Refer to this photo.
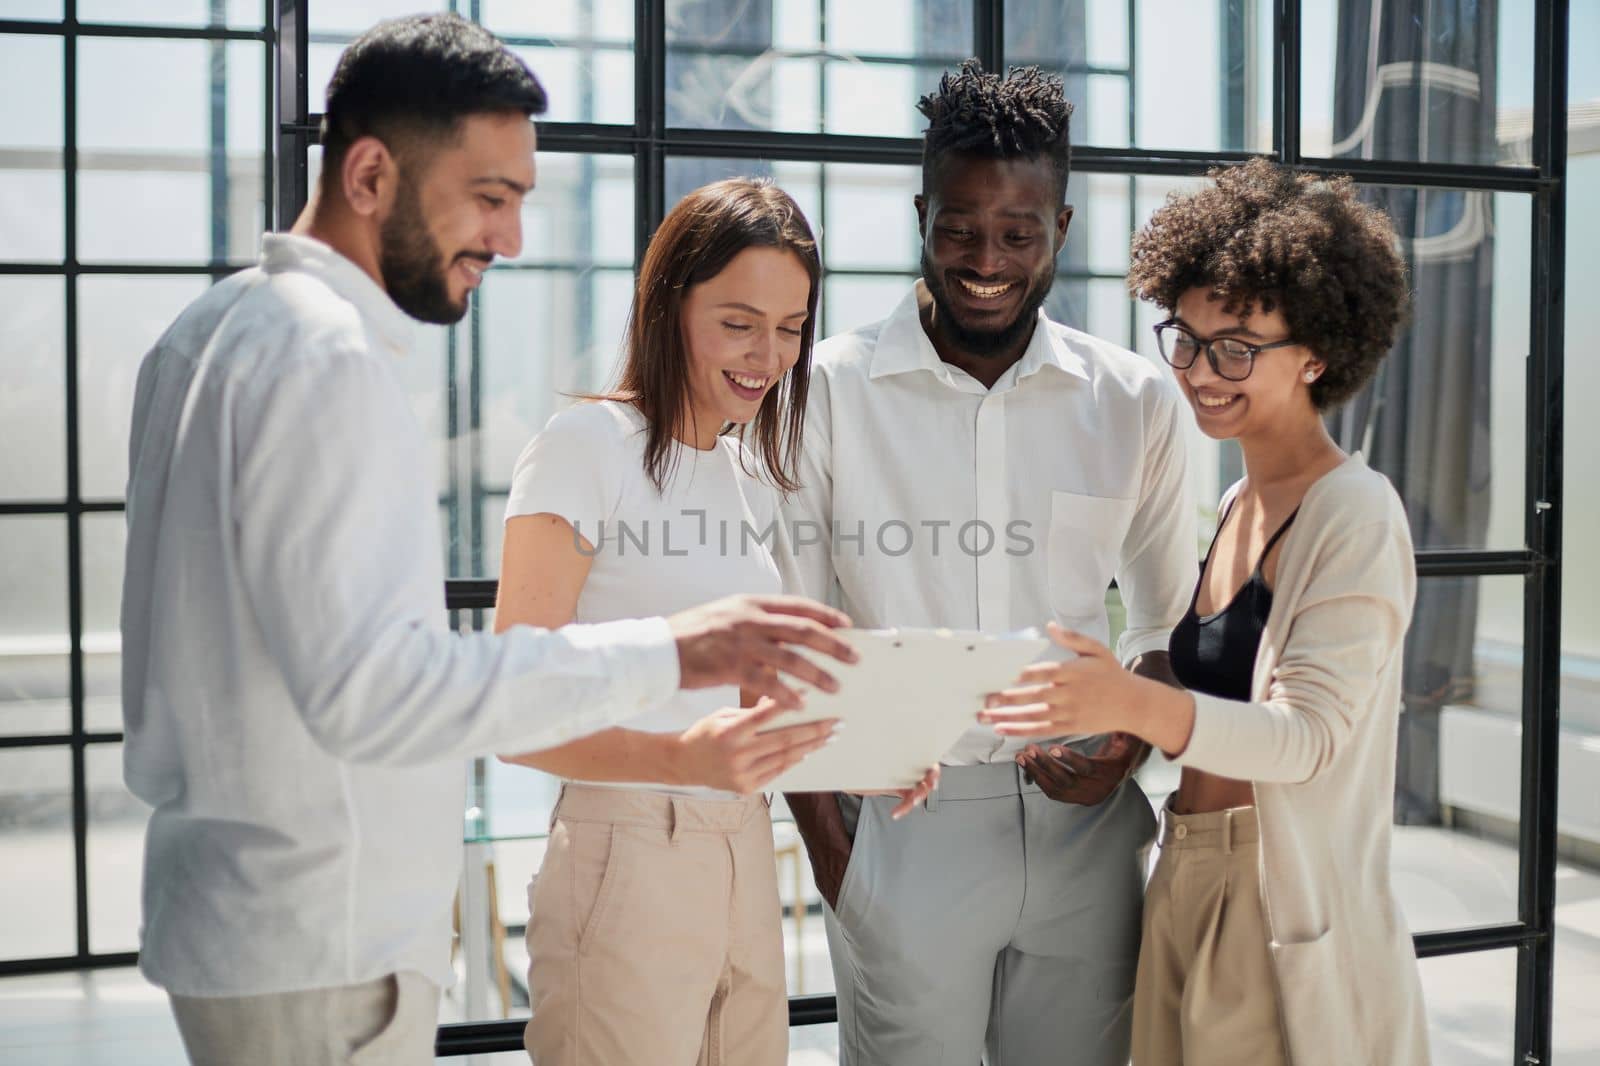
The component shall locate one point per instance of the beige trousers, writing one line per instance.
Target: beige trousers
(655, 935)
(387, 1022)
(1206, 994)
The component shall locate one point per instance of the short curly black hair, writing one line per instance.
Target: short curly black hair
(1023, 115)
(1265, 235)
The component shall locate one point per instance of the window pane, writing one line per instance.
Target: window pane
(119, 319)
(117, 821)
(1201, 73)
(802, 181)
(1472, 1002)
(870, 218)
(1458, 778)
(42, 10)
(1445, 418)
(105, 538)
(547, 335)
(349, 18)
(39, 918)
(861, 214)
(853, 300)
(1451, 84)
(806, 66)
(35, 696)
(581, 213)
(33, 403)
(32, 196)
(234, 14)
(582, 53)
(184, 141)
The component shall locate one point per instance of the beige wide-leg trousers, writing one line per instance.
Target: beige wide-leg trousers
(655, 937)
(1205, 994)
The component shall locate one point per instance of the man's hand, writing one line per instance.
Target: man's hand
(909, 797)
(724, 750)
(744, 641)
(828, 846)
(1071, 777)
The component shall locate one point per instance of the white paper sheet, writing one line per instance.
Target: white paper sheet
(908, 700)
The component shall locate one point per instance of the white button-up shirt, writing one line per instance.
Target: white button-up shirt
(929, 500)
(297, 709)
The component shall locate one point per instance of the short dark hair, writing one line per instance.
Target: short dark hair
(697, 240)
(1265, 235)
(422, 75)
(1024, 115)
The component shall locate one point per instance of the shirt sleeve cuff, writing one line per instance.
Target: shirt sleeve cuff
(642, 658)
(1136, 642)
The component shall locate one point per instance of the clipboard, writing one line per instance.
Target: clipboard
(911, 696)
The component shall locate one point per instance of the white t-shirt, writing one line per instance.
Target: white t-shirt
(715, 531)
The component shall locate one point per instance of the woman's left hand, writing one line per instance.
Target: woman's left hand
(1087, 695)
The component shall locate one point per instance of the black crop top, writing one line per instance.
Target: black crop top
(1217, 654)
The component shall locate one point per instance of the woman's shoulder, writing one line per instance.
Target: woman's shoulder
(1356, 494)
(596, 420)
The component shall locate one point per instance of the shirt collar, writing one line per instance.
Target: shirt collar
(283, 252)
(903, 346)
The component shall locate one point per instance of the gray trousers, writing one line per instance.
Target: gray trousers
(998, 925)
(387, 1022)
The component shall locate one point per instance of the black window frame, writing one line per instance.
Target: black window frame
(290, 128)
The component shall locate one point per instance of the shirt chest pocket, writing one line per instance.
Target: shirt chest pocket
(1085, 541)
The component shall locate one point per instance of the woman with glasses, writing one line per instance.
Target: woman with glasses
(1269, 920)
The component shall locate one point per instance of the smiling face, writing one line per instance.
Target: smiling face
(1273, 400)
(742, 328)
(991, 229)
(454, 210)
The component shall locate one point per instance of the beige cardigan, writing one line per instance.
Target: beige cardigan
(1319, 745)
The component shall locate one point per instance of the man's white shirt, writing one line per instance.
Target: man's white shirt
(296, 707)
(930, 500)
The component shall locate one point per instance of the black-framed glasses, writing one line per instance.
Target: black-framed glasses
(1231, 358)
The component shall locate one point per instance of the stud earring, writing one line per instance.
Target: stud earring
(1311, 375)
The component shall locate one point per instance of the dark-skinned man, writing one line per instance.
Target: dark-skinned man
(971, 464)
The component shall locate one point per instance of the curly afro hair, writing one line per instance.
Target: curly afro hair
(1265, 236)
(1021, 116)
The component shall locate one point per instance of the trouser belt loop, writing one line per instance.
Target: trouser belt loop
(674, 819)
(931, 804)
(1227, 832)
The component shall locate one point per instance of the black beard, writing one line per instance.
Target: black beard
(410, 261)
(985, 343)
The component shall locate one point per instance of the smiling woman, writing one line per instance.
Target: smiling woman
(665, 491)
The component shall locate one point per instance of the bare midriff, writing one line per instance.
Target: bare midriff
(1202, 793)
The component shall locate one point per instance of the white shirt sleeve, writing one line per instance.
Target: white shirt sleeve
(339, 562)
(571, 469)
(1159, 562)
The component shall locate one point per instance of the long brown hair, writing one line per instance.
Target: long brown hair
(695, 242)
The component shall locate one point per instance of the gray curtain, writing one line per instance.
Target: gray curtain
(1416, 81)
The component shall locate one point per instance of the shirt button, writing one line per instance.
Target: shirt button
(1180, 832)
